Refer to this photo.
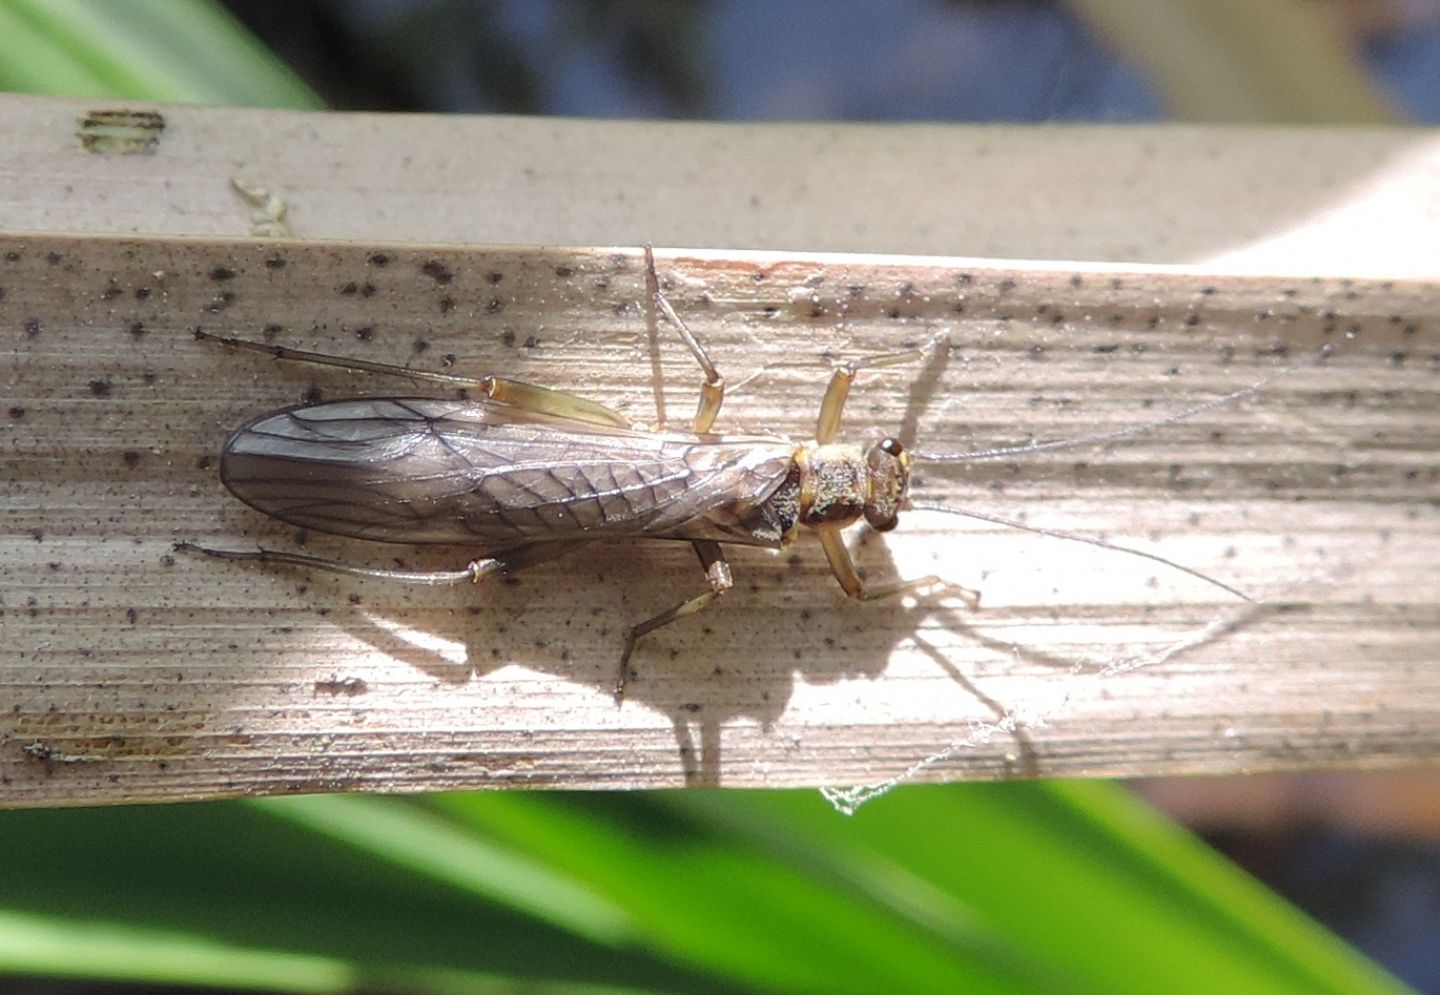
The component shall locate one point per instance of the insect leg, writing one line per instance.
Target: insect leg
(712, 391)
(506, 561)
(717, 572)
(843, 567)
(515, 393)
(828, 424)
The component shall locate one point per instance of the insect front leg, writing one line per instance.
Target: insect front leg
(833, 405)
(717, 572)
(505, 562)
(843, 567)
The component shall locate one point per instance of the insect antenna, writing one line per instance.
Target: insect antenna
(1101, 438)
(1076, 537)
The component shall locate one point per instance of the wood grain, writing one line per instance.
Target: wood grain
(135, 673)
(129, 673)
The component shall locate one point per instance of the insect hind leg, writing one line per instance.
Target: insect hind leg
(514, 393)
(475, 571)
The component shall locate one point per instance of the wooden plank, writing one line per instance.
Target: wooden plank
(128, 674)
(132, 673)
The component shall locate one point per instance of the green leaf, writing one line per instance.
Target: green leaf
(188, 51)
(1021, 887)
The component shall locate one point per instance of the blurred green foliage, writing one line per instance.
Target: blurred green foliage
(1018, 887)
(181, 51)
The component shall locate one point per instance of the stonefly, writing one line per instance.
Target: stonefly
(528, 474)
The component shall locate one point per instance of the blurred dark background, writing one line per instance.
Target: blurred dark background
(757, 60)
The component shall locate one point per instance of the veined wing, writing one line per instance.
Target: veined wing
(423, 470)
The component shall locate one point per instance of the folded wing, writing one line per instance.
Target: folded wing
(420, 470)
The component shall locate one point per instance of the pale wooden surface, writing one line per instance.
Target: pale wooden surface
(128, 675)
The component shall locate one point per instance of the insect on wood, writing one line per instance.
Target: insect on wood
(526, 474)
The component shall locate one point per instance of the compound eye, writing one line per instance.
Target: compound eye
(891, 447)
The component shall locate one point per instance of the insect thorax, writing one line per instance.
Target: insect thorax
(840, 484)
